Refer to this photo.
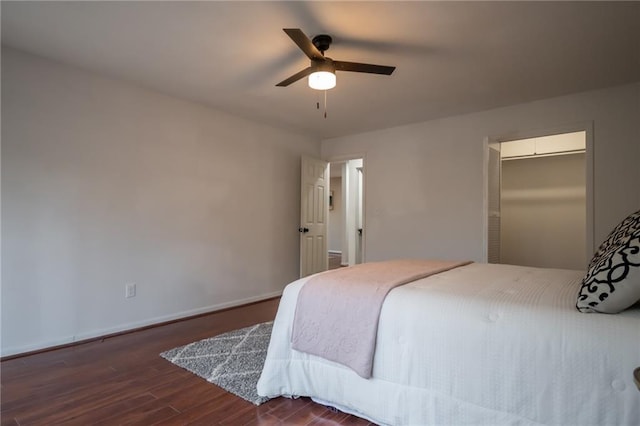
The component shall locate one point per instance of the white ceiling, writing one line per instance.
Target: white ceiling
(451, 57)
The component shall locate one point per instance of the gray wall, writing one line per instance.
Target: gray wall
(425, 181)
(105, 183)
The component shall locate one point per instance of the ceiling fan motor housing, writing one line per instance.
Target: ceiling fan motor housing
(322, 42)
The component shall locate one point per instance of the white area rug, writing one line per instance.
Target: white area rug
(232, 360)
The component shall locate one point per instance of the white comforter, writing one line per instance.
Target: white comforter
(480, 344)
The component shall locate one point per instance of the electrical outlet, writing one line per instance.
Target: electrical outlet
(130, 290)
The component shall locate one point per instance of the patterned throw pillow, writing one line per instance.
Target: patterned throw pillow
(612, 283)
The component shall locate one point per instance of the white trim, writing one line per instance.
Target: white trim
(335, 251)
(134, 325)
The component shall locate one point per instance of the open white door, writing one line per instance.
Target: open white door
(314, 209)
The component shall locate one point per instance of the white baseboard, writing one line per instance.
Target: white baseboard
(334, 251)
(133, 325)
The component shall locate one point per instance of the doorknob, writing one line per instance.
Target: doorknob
(303, 230)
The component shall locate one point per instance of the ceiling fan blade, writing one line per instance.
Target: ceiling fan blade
(358, 67)
(304, 43)
(297, 76)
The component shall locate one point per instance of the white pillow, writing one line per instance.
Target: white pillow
(612, 283)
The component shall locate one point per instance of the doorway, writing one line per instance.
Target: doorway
(538, 198)
(346, 213)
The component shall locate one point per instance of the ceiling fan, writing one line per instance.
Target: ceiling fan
(322, 71)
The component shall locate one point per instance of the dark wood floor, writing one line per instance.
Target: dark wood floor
(122, 380)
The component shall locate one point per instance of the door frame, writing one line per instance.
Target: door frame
(587, 127)
(348, 157)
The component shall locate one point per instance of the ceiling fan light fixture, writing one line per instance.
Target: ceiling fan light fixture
(322, 80)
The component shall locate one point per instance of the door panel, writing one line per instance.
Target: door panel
(314, 207)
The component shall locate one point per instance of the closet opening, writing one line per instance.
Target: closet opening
(538, 198)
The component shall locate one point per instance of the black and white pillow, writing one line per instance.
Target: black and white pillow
(612, 282)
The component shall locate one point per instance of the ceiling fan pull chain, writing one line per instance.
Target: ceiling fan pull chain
(325, 104)
(317, 100)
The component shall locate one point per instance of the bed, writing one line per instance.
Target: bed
(477, 344)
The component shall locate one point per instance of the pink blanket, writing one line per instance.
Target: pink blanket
(337, 311)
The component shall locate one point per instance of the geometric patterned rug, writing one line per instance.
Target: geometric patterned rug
(232, 360)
